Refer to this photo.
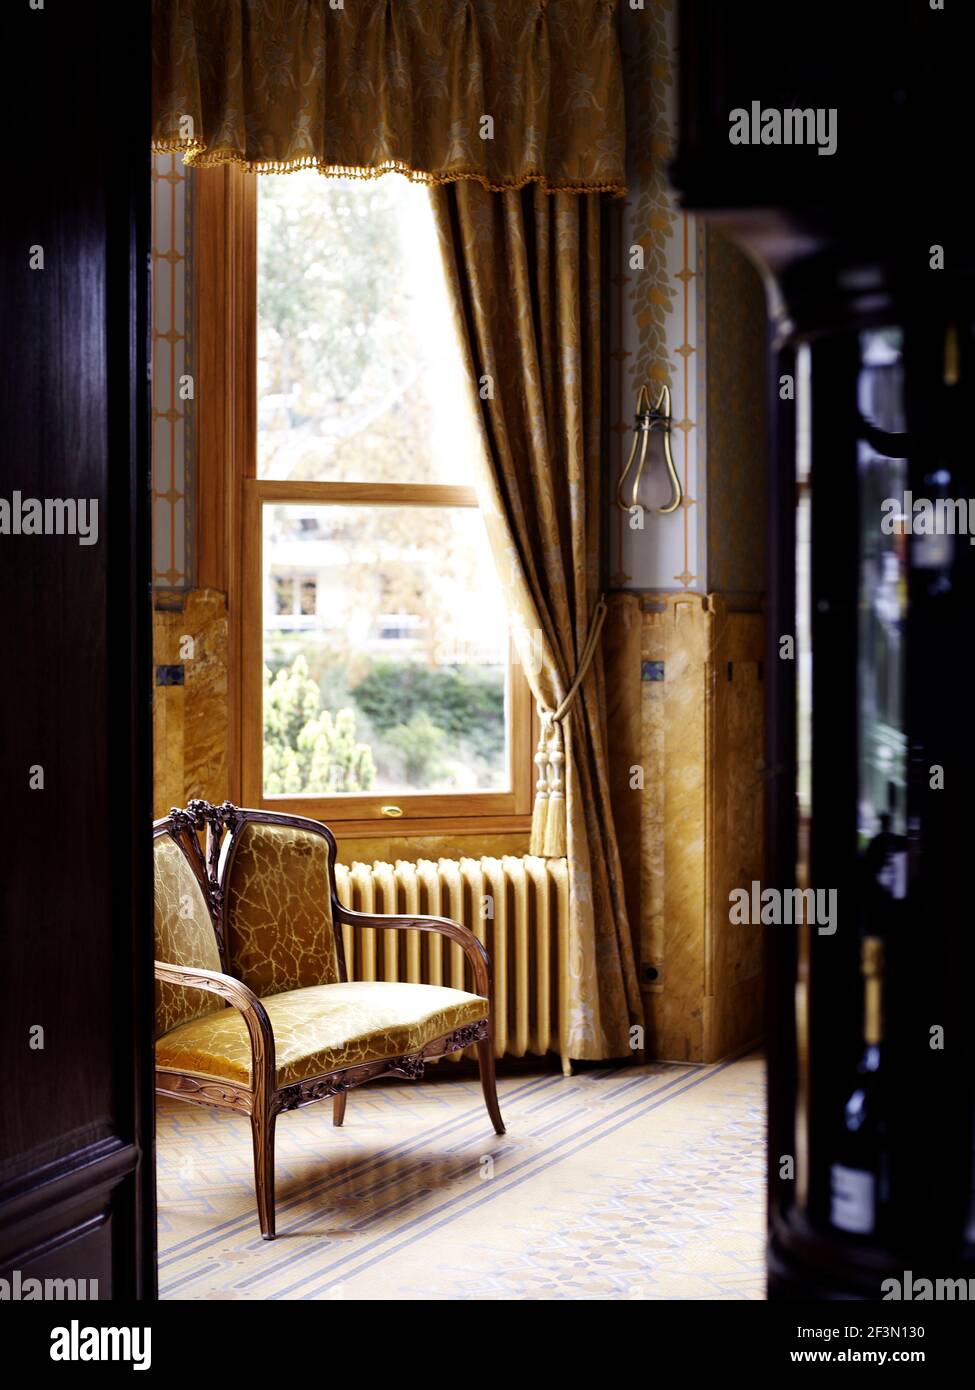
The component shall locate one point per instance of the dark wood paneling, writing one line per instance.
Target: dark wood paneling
(75, 941)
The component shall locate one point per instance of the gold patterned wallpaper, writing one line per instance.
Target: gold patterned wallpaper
(686, 309)
(656, 317)
(654, 293)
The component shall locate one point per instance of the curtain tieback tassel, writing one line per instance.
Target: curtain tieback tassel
(548, 836)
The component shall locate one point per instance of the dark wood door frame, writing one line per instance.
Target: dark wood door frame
(76, 1120)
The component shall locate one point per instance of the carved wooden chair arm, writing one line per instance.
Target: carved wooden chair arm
(456, 931)
(245, 1001)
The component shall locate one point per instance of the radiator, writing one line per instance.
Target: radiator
(518, 907)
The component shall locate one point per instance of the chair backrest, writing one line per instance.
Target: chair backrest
(184, 932)
(278, 889)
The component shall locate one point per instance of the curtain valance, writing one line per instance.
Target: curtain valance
(501, 91)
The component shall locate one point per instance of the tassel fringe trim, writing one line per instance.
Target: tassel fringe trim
(197, 156)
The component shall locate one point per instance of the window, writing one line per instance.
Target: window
(375, 665)
(292, 598)
(402, 672)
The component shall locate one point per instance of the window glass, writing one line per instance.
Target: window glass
(385, 651)
(360, 372)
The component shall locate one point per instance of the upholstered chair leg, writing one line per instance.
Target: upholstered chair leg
(338, 1107)
(485, 1062)
(262, 1126)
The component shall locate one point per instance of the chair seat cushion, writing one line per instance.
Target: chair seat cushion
(320, 1029)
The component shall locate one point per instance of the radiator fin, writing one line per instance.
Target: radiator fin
(517, 906)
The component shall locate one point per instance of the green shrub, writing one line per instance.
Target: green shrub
(307, 749)
(465, 702)
(420, 745)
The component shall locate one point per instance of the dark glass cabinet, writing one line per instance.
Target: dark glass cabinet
(871, 736)
(879, 696)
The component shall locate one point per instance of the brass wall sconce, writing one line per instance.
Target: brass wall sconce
(648, 418)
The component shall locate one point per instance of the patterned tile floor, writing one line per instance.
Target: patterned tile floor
(631, 1183)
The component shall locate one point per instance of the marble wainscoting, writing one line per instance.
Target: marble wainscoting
(687, 713)
(190, 700)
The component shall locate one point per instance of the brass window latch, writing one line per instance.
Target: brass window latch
(648, 418)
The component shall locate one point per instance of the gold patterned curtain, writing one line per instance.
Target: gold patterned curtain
(504, 92)
(525, 272)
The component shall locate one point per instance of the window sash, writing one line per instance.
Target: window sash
(229, 538)
(369, 806)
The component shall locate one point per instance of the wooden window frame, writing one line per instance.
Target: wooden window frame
(230, 497)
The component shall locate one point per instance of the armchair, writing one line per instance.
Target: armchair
(254, 1009)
